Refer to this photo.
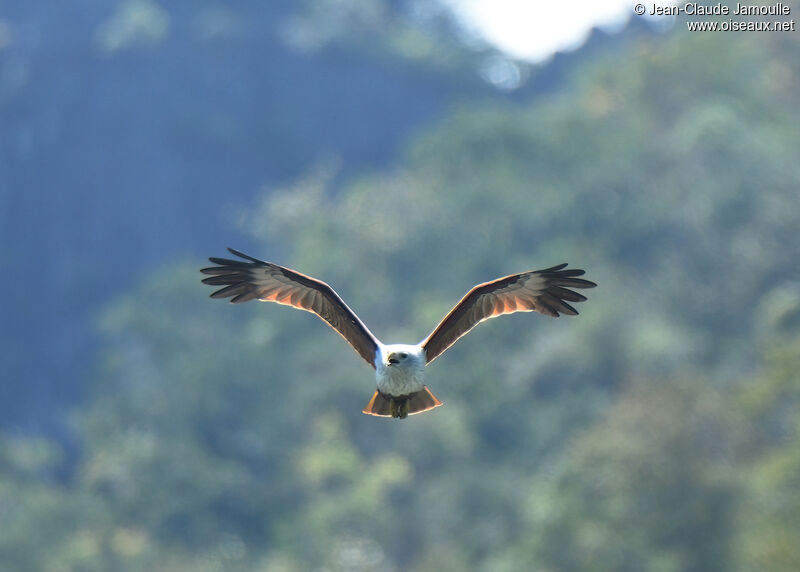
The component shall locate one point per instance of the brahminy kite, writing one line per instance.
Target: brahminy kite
(399, 368)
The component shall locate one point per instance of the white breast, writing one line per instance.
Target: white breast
(401, 378)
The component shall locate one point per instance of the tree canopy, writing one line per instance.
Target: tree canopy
(656, 431)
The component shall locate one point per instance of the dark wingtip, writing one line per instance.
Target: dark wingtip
(571, 272)
(241, 254)
(567, 309)
(586, 283)
(225, 262)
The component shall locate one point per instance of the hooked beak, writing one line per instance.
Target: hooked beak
(393, 360)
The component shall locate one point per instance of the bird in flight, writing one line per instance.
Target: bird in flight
(399, 368)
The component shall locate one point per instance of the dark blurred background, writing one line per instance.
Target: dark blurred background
(387, 148)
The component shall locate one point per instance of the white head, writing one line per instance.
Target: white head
(410, 358)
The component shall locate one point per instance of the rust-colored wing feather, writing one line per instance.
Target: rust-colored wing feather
(259, 280)
(544, 291)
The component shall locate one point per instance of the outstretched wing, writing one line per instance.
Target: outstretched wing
(256, 279)
(544, 291)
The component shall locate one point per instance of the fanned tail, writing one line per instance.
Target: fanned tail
(400, 406)
(423, 400)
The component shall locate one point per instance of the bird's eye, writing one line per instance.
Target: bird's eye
(403, 355)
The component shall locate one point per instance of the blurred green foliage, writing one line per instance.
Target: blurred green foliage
(657, 431)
